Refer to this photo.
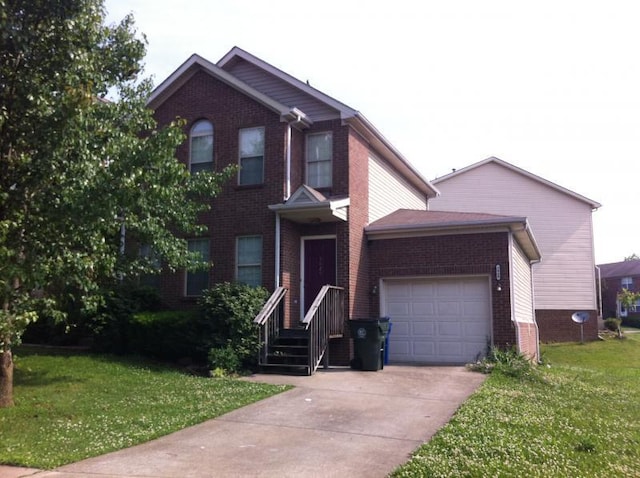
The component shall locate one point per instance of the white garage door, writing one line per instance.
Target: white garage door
(438, 320)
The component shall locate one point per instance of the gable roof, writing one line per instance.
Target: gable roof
(410, 222)
(237, 53)
(289, 113)
(593, 204)
(620, 269)
(196, 63)
(307, 205)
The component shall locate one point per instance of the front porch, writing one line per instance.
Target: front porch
(300, 348)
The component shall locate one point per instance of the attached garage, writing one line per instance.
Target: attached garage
(453, 284)
(438, 320)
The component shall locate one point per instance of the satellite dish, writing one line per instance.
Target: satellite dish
(580, 317)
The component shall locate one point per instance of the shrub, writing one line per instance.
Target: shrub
(229, 309)
(612, 323)
(166, 335)
(146, 299)
(224, 359)
(110, 324)
(507, 362)
(631, 322)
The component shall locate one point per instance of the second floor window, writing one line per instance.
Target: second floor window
(249, 260)
(627, 283)
(251, 156)
(319, 159)
(201, 147)
(197, 281)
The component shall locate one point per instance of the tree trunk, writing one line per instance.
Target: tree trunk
(6, 378)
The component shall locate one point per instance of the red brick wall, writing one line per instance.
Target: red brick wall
(528, 339)
(237, 210)
(557, 326)
(446, 256)
(352, 251)
(610, 288)
(290, 270)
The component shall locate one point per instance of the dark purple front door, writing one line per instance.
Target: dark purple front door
(319, 267)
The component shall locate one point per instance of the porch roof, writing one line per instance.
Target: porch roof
(412, 223)
(307, 205)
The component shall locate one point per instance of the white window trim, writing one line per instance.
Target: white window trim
(240, 157)
(186, 273)
(330, 161)
(238, 266)
(198, 135)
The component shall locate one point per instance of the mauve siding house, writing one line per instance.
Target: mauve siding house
(323, 198)
(564, 280)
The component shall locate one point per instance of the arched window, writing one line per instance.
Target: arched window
(201, 147)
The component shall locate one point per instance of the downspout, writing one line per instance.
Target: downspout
(287, 195)
(514, 321)
(277, 263)
(533, 301)
(533, 305)
(288, 153)
(599, 292)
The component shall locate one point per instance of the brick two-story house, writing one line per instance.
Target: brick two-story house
(323, 198)
(614, 277)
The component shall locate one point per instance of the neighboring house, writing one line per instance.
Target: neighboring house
(564, 280)
(322, 198)
(613, 278)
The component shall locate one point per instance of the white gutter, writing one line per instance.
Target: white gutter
(600, 312)
(288, 159)
(533, 304)
(277, 247)
(287, 195)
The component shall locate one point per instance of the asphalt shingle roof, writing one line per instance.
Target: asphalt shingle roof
(620, 269)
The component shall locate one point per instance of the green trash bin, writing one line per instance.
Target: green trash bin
(368, 343)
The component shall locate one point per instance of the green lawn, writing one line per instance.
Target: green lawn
(579, 418)
(74, 406)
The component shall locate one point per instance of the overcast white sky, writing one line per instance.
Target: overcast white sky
(552, 87)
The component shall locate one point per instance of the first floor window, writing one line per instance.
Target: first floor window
(319, 158)
(251, 156)
(623, 312)
(249, 260)
(627, 283)
(197, 281)
(150, 279)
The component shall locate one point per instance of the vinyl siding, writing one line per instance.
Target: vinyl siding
(281, 91)
(522, 293)
(388, 191)
(562, 226)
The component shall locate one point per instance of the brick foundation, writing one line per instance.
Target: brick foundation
(528, 339)
(557, 326)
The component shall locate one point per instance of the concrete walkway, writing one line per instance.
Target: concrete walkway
(336, 423)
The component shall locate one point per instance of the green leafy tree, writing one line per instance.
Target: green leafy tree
(628, 300)
(76, 170)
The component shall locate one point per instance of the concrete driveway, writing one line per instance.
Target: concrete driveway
(336, 423)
